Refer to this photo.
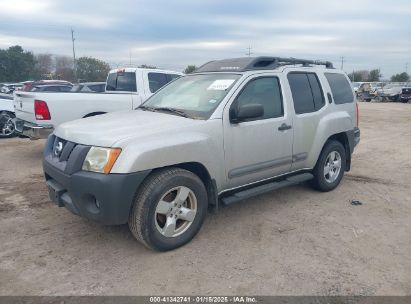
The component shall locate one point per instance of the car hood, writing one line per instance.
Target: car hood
(108, 129)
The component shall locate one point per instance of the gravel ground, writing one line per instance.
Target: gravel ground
(295, 241)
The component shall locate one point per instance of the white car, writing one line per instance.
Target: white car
(39, 113)
(7, 128)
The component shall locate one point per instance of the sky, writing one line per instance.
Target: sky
(173, 34)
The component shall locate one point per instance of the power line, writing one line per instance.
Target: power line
(74, 55)
(249, 53)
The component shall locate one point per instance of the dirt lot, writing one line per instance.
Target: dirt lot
(291, 242)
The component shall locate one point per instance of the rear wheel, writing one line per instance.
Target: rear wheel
(330, 166)
(7, 127)
(169, 209)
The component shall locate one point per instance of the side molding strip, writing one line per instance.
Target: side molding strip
(241, 171)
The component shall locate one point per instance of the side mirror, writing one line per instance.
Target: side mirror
(245, 112)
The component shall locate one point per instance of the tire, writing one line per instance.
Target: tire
(7, 127)
(151, 222)
(326, 182)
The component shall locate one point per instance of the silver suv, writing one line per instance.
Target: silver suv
(233, 129)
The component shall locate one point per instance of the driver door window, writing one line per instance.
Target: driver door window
(265, 91)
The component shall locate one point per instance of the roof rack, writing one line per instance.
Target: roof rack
(256, 63)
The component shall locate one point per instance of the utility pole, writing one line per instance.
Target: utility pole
(249, 53)
(74, 55)
(342, 62)
(406, 67)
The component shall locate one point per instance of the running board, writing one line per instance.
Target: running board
(289, 181)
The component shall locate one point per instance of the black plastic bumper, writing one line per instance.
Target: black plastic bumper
(105, 198)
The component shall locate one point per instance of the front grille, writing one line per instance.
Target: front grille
(62, 148)
(65, 155)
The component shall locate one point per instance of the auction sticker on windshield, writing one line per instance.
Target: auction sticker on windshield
(221, 84)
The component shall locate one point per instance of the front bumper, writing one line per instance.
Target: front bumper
(104, 198)
(32, 130)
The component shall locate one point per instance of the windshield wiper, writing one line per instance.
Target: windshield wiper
(166, 109)
(175, 111)
(146, 108)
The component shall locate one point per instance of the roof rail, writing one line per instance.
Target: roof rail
(256, 63)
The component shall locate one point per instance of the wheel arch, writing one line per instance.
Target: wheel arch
(13, 114)
(94, 114)
(201, 171)
(343, 138)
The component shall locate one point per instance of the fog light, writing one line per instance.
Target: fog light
(97, 203)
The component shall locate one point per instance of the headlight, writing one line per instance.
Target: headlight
(101, 159)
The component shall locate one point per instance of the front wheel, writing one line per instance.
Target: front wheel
(7, 127)
(330, 167)
(169, 209)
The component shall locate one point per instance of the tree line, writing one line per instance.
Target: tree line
(18, 65)
(375, 76)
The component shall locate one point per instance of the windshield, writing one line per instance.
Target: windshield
(195, 95)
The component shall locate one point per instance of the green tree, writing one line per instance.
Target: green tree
(402, 77)
(375, 75)
(16, 64)
(43, 67)
(92, 69)
(64, 68)
(189, 69)
(147, 66)
(359, 76)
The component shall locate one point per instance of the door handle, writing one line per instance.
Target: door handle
(284, 127)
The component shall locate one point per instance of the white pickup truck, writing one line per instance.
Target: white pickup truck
(39, 113)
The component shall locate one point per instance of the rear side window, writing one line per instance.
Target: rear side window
(122, 81)
(340, 87)
(307, 94)
(157, 80)
(318, 96)
(96, 88)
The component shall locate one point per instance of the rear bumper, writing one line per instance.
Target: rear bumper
(32, 130)
(104, 198)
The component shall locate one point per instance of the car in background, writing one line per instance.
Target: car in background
(356, 86)
(368, 91)
(38, 113)
(391, 92)
(7, 127)
(91, 87)
(9, 88)
(28, 85)
(51, 88)
(405, 95)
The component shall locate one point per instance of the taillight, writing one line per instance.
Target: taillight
(41, 110)
(358, 115)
